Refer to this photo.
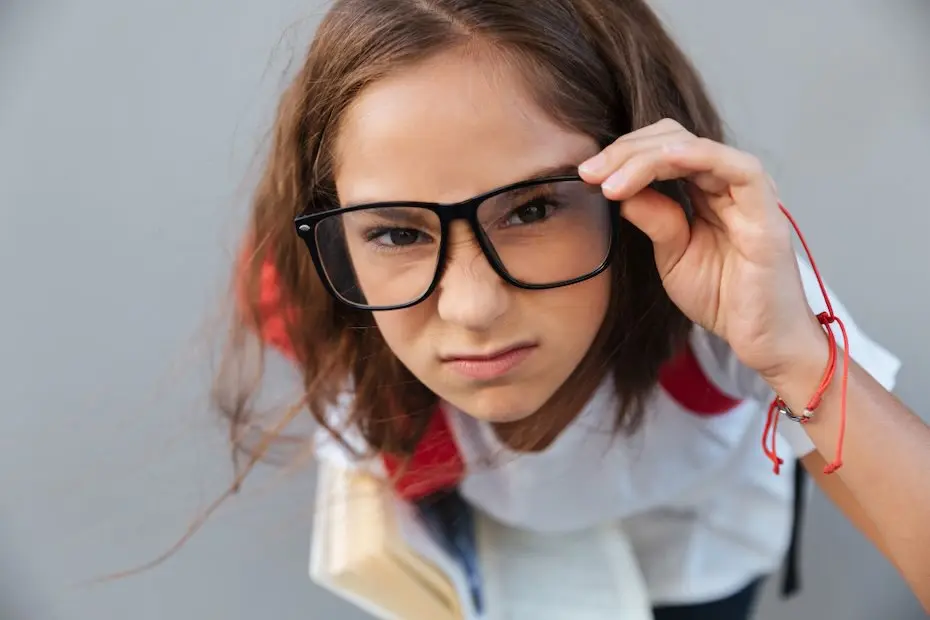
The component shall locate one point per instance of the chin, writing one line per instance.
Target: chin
(499, 404)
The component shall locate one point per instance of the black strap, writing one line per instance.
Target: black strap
(451, 521)
(792, 578)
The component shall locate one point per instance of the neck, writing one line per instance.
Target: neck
(537, 432)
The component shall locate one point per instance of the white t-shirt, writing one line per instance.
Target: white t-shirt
(696, 495)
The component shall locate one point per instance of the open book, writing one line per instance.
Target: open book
(440, 560)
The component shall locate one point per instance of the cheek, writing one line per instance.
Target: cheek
(574, 314)
(402, 330)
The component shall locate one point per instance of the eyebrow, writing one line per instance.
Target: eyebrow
(398, 215)
(553, 171)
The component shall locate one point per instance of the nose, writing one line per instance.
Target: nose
(470, 294)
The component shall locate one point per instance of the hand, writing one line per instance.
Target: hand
(733, 271)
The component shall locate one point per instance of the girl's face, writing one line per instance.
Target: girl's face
(446, 130)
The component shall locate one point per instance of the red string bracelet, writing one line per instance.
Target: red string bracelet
(778, 406)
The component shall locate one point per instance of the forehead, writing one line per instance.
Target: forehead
(447, 129)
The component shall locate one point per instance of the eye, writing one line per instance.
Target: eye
(536, 210)
(397, 237)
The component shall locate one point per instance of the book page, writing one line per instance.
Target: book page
(358, 552)
(589, 575)
(442, 560)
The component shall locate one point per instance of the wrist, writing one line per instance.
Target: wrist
(800, 373)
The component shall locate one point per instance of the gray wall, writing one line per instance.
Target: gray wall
(127, 139)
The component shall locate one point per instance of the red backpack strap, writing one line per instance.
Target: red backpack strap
(272, 309)
(684, 380)
(436, 464)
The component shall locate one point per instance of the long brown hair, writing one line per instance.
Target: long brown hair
(600, 67)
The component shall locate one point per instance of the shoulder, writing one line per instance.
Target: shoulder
(340, 442)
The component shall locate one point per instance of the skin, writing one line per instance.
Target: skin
(446, 130)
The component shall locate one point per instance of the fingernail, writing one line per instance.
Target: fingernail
(614, 182)
(593, 165)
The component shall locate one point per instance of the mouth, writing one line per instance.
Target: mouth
(484, 367)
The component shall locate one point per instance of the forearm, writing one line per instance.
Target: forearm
(886, 458)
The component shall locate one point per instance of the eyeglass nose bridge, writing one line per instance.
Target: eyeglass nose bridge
(467, 210)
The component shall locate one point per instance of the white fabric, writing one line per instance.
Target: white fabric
(697, 496)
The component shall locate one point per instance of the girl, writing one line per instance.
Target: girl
(513, 228)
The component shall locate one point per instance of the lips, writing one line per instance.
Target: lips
(489, 366)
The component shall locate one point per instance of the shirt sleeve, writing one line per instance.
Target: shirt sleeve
(353, 453)
(731, 376)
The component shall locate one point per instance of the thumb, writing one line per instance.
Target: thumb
(662, 220)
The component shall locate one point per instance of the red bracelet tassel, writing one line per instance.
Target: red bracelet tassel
(778, 406)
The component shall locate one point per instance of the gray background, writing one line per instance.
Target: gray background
(128, 141)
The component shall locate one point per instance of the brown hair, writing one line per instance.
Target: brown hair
(601, 67)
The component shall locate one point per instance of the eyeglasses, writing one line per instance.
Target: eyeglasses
(537, 234)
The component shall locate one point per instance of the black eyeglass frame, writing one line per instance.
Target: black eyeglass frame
(306, 226)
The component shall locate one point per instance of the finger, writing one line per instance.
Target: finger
(654, 165)
(736, 168)
(663, 221)
(713, 167)
(750, 187)
(599, 167)
(662, 127)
